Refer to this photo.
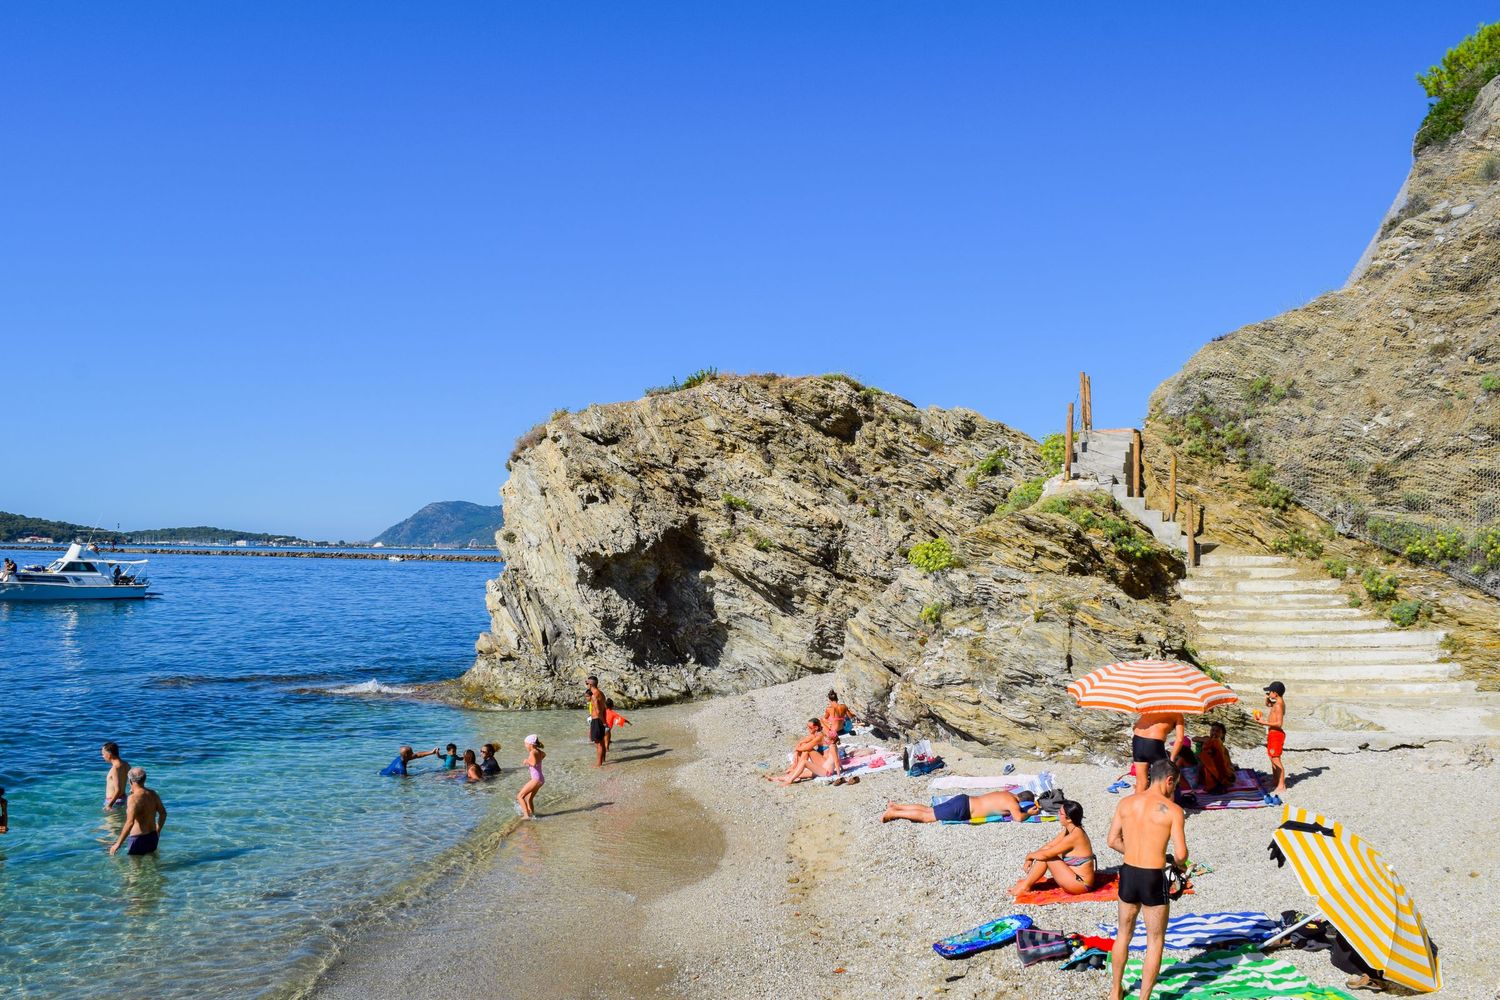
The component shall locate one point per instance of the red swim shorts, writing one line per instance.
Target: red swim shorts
(1275, 740)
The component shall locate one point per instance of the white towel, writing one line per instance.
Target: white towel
(1034, 783)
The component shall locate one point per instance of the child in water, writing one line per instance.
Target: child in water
(526, 797)
(611, 720)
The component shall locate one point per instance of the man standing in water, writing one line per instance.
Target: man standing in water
(114, 782)
(1148, 743)
(1142, 826)
(144, 817)
(596, 719)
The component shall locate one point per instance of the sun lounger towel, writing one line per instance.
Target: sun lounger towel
(1245, 793)
(1034, 783)
(982, 938)
(1199, 930)
(992, 818)
(1241, 973)
(1035, 945)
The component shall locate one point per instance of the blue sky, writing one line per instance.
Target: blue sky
(307, 267)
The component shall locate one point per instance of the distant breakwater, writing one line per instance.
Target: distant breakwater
(289, 554)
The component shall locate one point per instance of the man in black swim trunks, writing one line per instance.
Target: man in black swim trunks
(1148, 743)
(596, 719)
(1142, 826)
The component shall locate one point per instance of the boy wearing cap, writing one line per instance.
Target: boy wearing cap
(1272, 719)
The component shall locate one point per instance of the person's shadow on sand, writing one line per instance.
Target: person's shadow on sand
(641, 756)
(579, 809)
(1292, 780)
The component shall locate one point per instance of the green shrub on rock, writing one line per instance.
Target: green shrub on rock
(1490, 383)
(1054, 448)
(932, 614)
(1023, 495)
(1380, 586)
(1454, 83)
(933, 556)
(1407, 613)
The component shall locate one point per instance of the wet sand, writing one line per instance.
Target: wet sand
(557, 909)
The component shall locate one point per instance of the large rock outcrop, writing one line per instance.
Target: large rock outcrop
(751, 530)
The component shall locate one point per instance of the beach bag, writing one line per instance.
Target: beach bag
(921, 767)
(1175, 881)
(1051, 800)
(1034, 945)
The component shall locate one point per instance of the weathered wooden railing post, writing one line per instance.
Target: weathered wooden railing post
(1068, 448)
(1083, 401)
(1136, 462)
(1172, 491)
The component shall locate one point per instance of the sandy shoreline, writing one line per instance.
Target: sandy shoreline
(816, 898)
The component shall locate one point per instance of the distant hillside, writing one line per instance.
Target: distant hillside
(447, 522)
(14, 526)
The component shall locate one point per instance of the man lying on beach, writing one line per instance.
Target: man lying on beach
(397, 767)
(962, 808)
(1148, 743)
(1067, 857)
(144, 817)
(1142, 827)
(115, 787)
(807, 759)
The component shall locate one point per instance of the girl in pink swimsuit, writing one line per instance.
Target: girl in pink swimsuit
(526, 797)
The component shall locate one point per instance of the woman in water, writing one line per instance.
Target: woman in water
(1068, 857)
(527, 795)
(471, 767)
(489, 765)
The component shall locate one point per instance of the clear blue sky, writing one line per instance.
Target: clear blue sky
(306, 267)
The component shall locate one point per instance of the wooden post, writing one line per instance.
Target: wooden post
(1068, 448)
(1192, 535)
(1083, 401)
(1088, 401)
(1172, 491)
(1136, 464)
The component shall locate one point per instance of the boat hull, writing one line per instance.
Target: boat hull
(12, 591)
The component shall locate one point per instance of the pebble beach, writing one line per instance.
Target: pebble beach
(814, 897)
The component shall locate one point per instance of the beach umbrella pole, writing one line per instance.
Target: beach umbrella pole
(1281, 934)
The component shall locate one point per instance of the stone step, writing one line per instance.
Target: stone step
(1340, 616)
(1245, 628)
(1200, 585)
(1245, 573)
(1230, 558)
(1250, 602)
(1388, 639)
(1290, 673)
(1313, 690)
(1317, 657)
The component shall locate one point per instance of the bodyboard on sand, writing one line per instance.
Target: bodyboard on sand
(982, 938)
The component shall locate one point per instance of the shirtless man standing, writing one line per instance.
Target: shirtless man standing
(1148, 744)
(114, 783)
(596, 719)
(1142, 826)
(144, 816)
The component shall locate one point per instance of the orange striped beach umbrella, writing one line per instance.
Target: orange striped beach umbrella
(1361, 895)
(1138, 686)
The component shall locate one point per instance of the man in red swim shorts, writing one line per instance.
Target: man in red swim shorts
(1272, 719)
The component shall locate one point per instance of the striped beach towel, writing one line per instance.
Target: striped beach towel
(1232, 973)
(1199, 930)
(1245, 793)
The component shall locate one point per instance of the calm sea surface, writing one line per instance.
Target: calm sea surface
(253, 692)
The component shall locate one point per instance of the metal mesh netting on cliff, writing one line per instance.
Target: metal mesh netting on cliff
(1362, 496)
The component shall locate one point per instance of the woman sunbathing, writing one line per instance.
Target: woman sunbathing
(1215, 769)
(807, 757)
(1067, 857)
(964, 808)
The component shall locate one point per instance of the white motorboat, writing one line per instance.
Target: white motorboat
(80, 575)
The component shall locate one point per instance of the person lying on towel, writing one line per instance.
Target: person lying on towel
(964, 808)
(1215, 769)
(1067, 857)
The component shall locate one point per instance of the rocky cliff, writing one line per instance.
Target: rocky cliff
(750, 530)
(1367, 423)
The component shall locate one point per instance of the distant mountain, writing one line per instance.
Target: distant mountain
(447, 522)
(15, 526)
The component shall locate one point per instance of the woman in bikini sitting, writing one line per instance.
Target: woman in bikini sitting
(1068, 857)
(807, 759)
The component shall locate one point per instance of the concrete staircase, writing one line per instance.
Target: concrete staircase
(1353, 680)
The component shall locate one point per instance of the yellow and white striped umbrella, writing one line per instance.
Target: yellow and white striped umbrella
(1360, 895)
(1150, 686)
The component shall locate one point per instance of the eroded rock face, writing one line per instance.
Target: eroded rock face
(719, 538)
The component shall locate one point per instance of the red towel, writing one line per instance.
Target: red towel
(1106, 888)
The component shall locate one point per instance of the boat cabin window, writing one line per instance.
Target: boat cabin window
(78, 568)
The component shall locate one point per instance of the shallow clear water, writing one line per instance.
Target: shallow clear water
(280, 835)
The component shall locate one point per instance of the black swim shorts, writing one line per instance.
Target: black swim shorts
(1144, 751)
(596, 730)
(955, 809)
(1143, 886)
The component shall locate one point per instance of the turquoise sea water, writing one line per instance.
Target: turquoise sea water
(245, 691)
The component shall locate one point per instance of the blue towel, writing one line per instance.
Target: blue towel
(1199, 930)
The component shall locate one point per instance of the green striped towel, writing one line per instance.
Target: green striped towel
(1242, 973)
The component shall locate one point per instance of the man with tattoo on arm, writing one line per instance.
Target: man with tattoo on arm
(1143, 824)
